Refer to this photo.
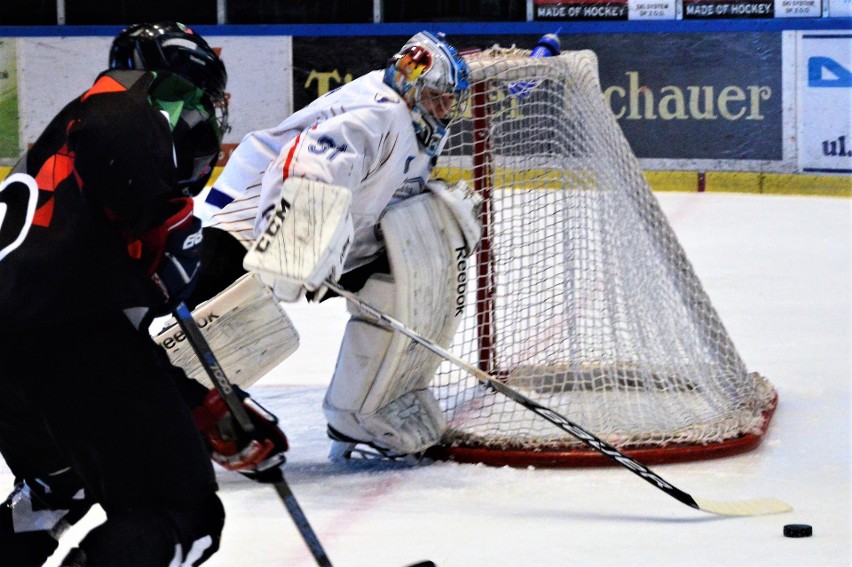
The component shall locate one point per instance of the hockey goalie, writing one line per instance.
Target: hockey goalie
(342, 190)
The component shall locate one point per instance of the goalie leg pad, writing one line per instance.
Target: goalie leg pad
(380, 389)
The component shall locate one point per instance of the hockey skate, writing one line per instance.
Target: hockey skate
(345, 448)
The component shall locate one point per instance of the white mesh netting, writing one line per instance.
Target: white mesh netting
(580, 296)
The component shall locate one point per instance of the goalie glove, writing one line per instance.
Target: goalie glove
(463, 205)
(171, 252)
(257, 455)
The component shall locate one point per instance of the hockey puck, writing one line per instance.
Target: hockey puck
(798, 530)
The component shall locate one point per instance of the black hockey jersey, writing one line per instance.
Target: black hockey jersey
(104, 169)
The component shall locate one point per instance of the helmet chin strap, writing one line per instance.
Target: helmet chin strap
(429, 130)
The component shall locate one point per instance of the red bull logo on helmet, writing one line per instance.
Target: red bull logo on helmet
(410, 65)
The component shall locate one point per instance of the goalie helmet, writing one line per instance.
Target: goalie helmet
(434, 80)
(203, 118)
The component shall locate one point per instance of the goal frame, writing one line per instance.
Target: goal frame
(483, 170)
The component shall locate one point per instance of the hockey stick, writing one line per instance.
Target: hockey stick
(739, 508)
(235, 406)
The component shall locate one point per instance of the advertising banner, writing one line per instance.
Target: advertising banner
(258, 92)
(798, 9)
(652, 9)
(580, 9)
(725, 9)
(606, 10)
(676, 96)
(840, 8)
(54, 70)
(825, 102)
(684, 9)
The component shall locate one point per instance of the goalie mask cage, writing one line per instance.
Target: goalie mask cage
(580, 296)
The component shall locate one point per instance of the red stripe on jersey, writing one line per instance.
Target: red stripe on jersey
(289, 160)
(56, 169)
(44, 213)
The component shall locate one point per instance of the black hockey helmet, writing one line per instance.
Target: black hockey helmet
(175, 48)
(170, 46)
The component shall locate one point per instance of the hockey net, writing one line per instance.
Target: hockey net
(580, 295)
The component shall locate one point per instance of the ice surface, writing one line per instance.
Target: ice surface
(779, 271)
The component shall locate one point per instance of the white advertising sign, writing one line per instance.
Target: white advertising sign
(651, 9)
(798, 8)
(840, 8)
(54, 70)
(825, 102)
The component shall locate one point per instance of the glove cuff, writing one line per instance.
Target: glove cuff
(211, 410)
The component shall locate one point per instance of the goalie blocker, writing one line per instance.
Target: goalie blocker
(247, 328)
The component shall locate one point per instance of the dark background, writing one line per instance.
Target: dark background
(122, 12)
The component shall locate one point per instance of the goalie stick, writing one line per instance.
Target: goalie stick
(235, 406)
(723, 508)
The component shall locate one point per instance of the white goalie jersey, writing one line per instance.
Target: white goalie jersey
(359, 136)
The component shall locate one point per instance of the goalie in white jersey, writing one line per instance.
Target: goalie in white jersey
(349, 174)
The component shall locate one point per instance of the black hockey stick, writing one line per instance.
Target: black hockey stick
(235, 406)
(741, 508)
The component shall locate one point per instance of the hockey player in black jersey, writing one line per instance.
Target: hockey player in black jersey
(97, 237)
